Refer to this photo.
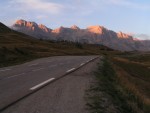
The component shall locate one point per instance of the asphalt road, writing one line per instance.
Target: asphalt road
(18, 81)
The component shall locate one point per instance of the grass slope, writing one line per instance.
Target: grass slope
(134, 74)
(104, 95)
(121, 85)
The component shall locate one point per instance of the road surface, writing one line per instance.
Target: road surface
(18, 81)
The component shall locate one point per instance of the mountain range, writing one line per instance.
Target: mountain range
(92, 35)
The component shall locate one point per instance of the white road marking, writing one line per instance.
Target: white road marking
(70, 70)
(38, 69)
(5, 70)
(82, 64)
(16, 75)
(34, 64)
(41, 84)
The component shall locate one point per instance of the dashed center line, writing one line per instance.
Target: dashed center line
(16, 75)
(70, 70)
(42, 84)
(5, 70)
(38, 69)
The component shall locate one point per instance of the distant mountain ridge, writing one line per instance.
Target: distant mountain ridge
(32, 29)
(92, 35)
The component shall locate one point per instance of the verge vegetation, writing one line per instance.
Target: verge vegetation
(121, 85)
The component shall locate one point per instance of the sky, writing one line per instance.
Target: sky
(129, 16)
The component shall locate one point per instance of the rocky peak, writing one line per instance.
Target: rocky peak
(44, 28)
(96, 29)
(25, 23)
(75, 27)
(123, 35)
(31, 24)
(58, 30)
(21, 22)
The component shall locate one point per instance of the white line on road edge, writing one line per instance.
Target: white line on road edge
(37, 69)
(87, 61)
(41, 84)
(16, 75)
(82, 64)
(5, 70)
(70, 70)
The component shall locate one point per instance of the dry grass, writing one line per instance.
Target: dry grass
(104, 95)
(134, 77)
(133, 85)
(147, 63)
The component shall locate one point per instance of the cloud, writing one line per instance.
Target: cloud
(37, 5)
(142, 36)
(41, 17)
(129, 4)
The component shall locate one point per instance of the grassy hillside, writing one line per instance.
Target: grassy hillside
(122, 85)
(134, 74)
(17, 48)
